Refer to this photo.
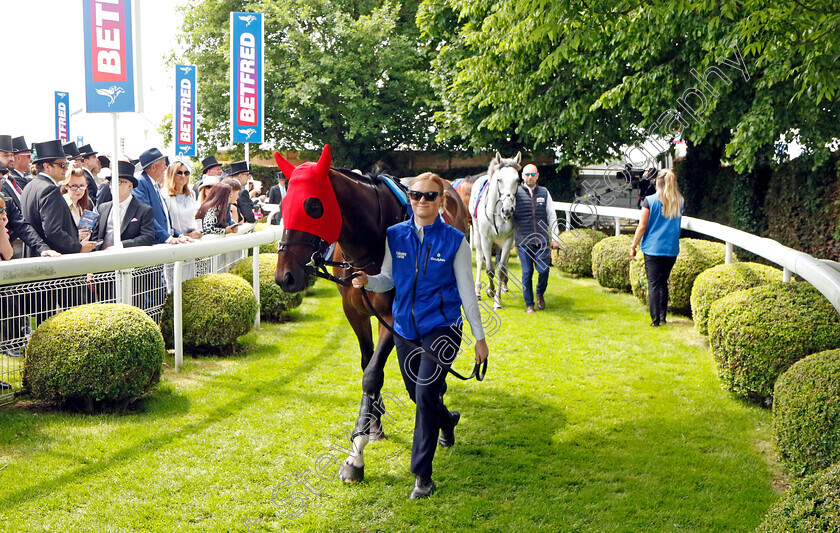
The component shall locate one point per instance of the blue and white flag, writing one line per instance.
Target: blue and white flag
(62, 116)
(246, 77)
(184, 123)
(109, 56)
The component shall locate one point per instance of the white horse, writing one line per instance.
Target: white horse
(493, 220)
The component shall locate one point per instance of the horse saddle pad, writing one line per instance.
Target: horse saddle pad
(401, 195)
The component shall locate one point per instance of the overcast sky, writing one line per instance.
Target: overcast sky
(44, 52)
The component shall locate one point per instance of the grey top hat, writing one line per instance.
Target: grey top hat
(71, 150)
(6, 143)
(19, 145)
(238, 168)
(150, 156)
(48, 151)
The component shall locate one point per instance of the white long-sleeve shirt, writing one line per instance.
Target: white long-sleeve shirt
(384, 281)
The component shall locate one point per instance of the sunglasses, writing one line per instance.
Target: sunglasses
(430, 196)
(530, 173)
(77, 187)
(61, 165)
(2, 210)
(182, 172)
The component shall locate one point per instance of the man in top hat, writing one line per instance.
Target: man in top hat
(23, 160)
(91, 166)
(209, 167)
(137, 227)
(44, 207)
(240, 172)
(148, 191)
(276, 195)
(17, 226)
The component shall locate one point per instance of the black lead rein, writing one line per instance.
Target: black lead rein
(319, 265)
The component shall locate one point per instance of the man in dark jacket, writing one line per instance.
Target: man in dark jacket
(91, 166)
(240, 172)
(276, 194)
(44, 207)
(23, 159)
(138, 219)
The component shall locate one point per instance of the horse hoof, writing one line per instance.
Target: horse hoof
(497, 306)
(351, 474)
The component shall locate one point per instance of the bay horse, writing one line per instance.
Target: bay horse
(365, 207)
(493, 221)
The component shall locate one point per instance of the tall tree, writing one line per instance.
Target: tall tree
(353, 74)
(589, 77)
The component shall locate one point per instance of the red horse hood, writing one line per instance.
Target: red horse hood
(310, 204)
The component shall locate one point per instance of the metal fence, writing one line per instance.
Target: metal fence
(34, 289)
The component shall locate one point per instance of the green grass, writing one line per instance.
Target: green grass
(589, 420)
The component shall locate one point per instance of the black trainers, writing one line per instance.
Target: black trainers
(423, 488)
(447, 436)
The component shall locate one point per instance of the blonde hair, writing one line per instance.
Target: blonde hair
(169, 180)
(434, 178)
(668, 193)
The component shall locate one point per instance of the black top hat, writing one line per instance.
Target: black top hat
(281, 176)
(126, 171)
(71, 150)
(150, 156)
(209, 162)
(48, 151)
(87, 151)
(104, 161)
(6, 143)
(238, 168)
(19, 145)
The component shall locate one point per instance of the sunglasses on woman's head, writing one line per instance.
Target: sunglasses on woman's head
(430, 196)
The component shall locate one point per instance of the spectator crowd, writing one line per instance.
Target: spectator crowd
(56, 199)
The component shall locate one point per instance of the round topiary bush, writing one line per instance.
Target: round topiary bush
(721, 280)
(811, 506)
(806, 412)
(575, 254)
(217, 309)
(273, 301)
(758, 333)
(695, 256)
(94, 354)
(611, 262)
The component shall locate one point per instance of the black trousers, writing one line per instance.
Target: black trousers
(658, 269)
(425, 382)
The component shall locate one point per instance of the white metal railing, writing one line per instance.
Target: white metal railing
(131, 275)
(823, 274)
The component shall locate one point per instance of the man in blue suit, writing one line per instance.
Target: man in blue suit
(148, 191)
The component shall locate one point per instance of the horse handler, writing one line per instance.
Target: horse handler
(430, 264)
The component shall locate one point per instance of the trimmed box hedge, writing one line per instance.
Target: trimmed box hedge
(718, 281)
(575, 254)
(758, 333)
(696, 255)
(217, 309)
(95, 354)
(806, 413)
(811, 506)
(273, 301)
(611, 262)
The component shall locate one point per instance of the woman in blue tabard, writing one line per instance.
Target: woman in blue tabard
(430, 264)
(659, 232)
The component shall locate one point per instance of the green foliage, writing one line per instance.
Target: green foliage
(353, 75)
(695, 256)
(217, 309)
(811, 506)
(96, 353)
(806, 413)
(591, 79)
(611, 262)
(273, 301)
(718, 281)
(758, 333)
(575, 253)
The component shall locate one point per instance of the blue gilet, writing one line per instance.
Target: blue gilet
(662, 235)
(424, 276)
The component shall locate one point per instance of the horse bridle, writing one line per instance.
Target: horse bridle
(500, 199)
(317, 265)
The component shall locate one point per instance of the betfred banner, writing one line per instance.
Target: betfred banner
(62, 116)
(184, 122)
(246, 77)
(109, 56)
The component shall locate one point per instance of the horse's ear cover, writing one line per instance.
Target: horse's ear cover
(308, 181)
